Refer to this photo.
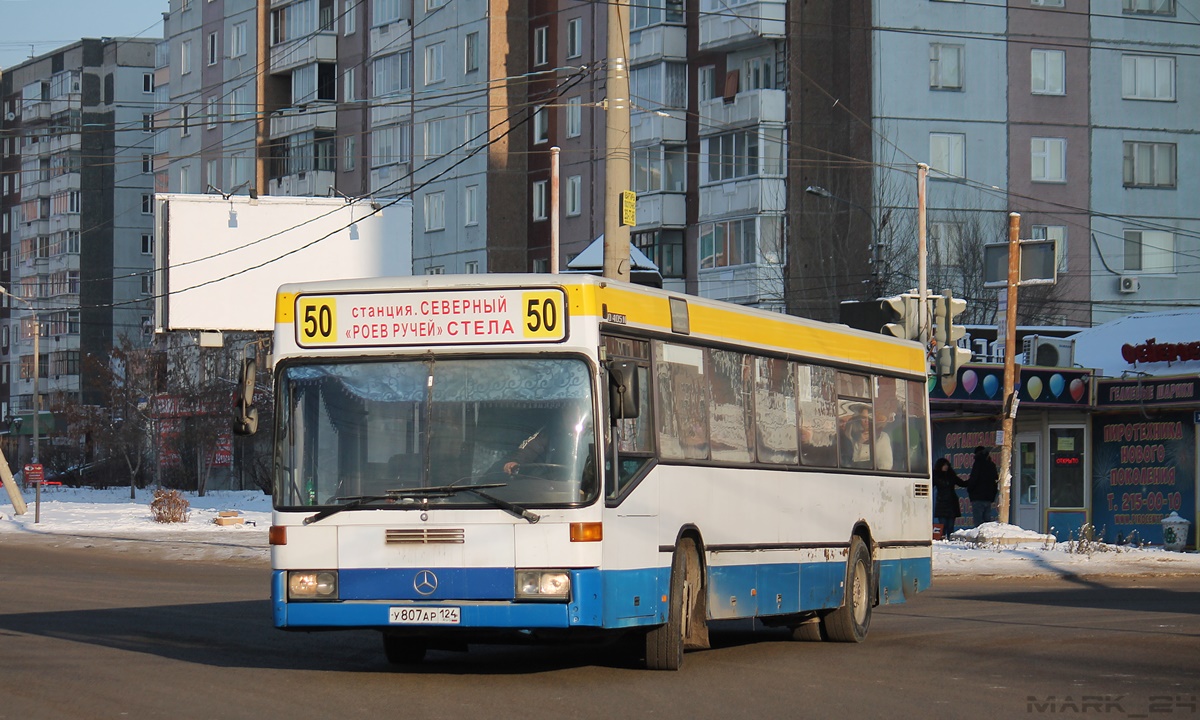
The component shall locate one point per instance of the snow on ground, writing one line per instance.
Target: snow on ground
(85, 517)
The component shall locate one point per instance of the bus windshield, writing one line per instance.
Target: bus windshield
(353, 430)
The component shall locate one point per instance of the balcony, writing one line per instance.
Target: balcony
(311, 183)
(661, 210)
(651, 128)
(63, 182)
(316, 116)
(321, 47)
(743, 284)
(751, 107)
(35, 111)
(741, 197)
(391, 180)
(67, 102)
(656, 43)
(63, 143)
(62, 223)
(726, 28)
(391, 37)
(393, 111)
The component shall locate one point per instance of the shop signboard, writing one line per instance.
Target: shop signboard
(1143, 468)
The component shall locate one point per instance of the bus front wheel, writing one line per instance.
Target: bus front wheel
(849, 623)
(686, 622)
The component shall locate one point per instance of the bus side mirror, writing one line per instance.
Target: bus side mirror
(622, 389)
(245, 415)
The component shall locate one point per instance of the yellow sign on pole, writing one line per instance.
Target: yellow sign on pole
(628, 208)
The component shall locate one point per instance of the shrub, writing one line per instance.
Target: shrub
(168, 506)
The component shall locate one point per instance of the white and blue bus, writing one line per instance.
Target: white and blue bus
(548, 457)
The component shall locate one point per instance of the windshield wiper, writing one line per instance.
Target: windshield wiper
(356, 501)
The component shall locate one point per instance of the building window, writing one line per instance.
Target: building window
(237, 40)
(148, 83)
(147, 244)
(1149, 164)
(147, 204)
(435, 211)
(658, 168)
(147, 284)
(1057, 233)
(471, 267)
(431, 5)
(1046, 3)
(438, 137)
(706, 83)
(660, 85)
(541, 125)
(1048, 158)
(212, 170)
(1147, 77)
(434, 70)
(541, 45)
(945, 244)
(72, 238)
(436, 270)
(471, 205)
(349, 16)
(664, 248)
(574, 117)
(147, 163)
(350, 149)
(730, 156)
(540, 196)
(348, 91)
(1047, 72)
(471, 53)
(759, 73)
(574, 195)
(147, 123)
(393, 73)
(947, 154)
(945, 66)
(185, 120)
(1149, 7)
(212, 48)
(645, 13)
(574, 38)
(1149, 251)
(185, 57)
(727, 243)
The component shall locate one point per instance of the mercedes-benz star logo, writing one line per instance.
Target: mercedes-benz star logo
(425, 582)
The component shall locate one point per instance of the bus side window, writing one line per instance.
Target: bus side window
(635, 447)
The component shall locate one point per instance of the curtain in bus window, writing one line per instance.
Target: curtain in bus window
(730, 421)
(682, 412)
(817, 400)
(855, 439)
(775, 411)
(918, 448)
(890, 443)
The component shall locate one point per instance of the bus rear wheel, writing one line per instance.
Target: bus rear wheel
(849, 623)
(404, 650)
(686, 624)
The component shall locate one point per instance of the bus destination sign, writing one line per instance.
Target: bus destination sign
(468, 317)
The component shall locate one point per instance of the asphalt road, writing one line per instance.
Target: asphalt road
(89, 632)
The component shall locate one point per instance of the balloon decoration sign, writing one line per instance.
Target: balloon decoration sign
(1038, 386)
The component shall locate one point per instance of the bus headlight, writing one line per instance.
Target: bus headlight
(543, 585)
(312, 585)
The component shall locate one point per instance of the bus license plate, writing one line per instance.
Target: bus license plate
(423, 615)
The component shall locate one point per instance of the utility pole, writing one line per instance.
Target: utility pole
(922, 257)
(616, 147)
(1009, 406)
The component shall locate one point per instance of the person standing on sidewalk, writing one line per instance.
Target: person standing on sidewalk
(945, 504)
(982, 486)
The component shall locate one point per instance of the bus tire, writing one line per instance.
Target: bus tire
(404, 650)
(665, 643)
(809, 631)
(849, 623)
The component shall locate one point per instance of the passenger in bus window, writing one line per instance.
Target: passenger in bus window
(883, 442)
(856, 438)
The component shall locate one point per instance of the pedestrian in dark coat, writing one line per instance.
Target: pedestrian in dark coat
(982, 485)
(945, 509)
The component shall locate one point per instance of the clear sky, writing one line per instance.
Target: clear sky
(50, 24)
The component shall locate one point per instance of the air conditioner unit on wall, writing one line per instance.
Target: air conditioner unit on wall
(1048, 351)
(1129, 284)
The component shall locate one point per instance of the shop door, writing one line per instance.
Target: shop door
(1027, 488)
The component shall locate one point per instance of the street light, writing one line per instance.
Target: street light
(37, 397)
(873, 250)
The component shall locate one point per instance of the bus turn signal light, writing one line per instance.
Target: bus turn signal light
(587, 532)
(277, 535)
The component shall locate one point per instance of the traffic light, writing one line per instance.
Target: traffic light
(946, 334)
(902, 315)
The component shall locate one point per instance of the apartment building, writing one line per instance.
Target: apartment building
(77, 212)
